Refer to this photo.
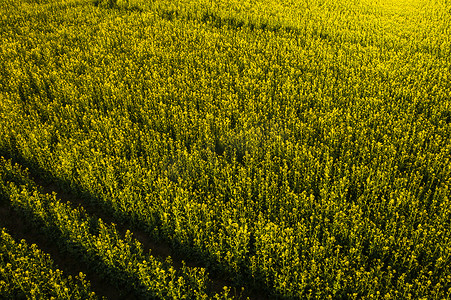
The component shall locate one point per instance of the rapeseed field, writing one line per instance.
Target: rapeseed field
(225, 149)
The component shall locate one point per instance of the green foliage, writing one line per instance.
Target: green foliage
(306, 154)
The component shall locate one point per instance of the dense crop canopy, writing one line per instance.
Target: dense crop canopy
(302, 148)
